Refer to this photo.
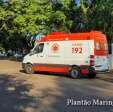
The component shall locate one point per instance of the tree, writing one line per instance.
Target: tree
(21, 19)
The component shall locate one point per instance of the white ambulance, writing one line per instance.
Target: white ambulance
(75, 54)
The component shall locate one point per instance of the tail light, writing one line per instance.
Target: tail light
(91, 60)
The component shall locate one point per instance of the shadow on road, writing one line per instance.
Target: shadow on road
(53, 97)
(77, 90)
(13, 95)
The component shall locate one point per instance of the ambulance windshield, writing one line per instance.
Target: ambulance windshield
(38, 48)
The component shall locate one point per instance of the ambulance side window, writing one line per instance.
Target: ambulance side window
(40, 48)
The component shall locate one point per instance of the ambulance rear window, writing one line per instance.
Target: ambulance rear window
(97, 46)
(101, 46)
(105, 46)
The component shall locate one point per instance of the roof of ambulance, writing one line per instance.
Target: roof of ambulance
(60, 36)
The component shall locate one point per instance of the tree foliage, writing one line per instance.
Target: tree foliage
(22, 18)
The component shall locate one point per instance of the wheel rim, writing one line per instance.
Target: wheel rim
(74, 73)
(29, 69)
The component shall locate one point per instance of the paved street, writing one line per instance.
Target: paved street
(42, 92)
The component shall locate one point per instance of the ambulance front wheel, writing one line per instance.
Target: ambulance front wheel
(75, 72)
(29, 69)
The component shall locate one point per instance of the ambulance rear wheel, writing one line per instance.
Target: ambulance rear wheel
(29, 69)
(75, 72)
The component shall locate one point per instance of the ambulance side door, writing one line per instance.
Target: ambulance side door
(41, 55)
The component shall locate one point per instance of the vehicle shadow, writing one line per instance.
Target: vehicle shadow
(107, 79)
(48, 74)
(13, 95)
(57, 74)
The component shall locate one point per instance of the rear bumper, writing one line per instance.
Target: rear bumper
(88, 70)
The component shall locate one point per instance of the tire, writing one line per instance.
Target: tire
(75, 72)
(91, 74)
(29, 69)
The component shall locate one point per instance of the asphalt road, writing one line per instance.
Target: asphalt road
(42, 92)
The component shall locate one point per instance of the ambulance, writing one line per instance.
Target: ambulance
(75, 54)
